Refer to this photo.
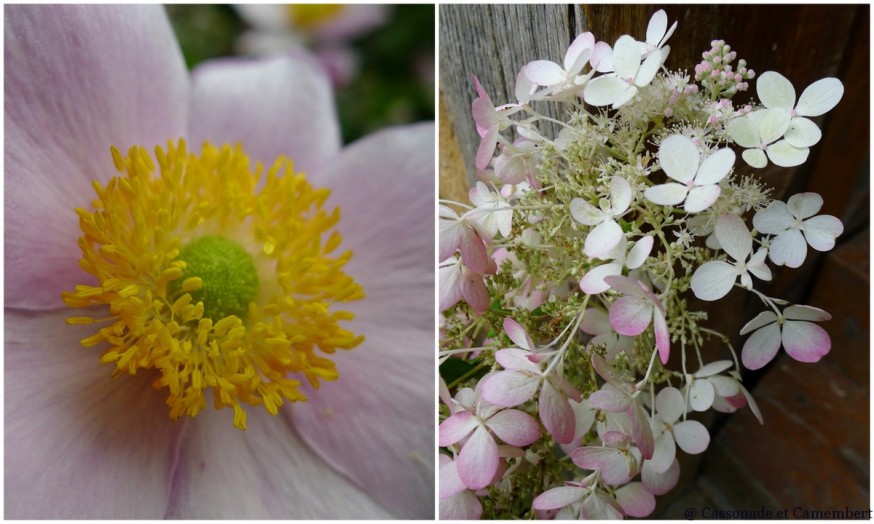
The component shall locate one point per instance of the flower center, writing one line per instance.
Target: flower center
(214, 276)
(312, 16)
(226, 274)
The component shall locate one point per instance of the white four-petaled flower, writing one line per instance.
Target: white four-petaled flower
(795, 226)
(607, 232)
(776, 91)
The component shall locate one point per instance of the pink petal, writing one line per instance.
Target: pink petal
(635, 500)
(484, 114)
(450, 286)
(594, 457)
(641, 430)
(662, 336)
(761, 347)
(450, 237)
(514, 427)
(630, 315)
(509, 388)
(515, 359)
(456, 428)
(692, 436)
(578, 52)
(473, 250)
(595, 322)
(487, 147)
(611, 399)
(556, 414)
(462, 506)
(660, 483)
(474, 290)
(265, 105)
(518, 334)
(71, 429)
(74, 87)
(478, 460)
(805, 341)
(627, 286)
(559, 497)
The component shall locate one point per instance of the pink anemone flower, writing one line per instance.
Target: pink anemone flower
(79, 445)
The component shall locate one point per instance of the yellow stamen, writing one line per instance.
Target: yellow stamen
(267, 334)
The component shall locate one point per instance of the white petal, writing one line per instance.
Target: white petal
(797, 312)
(670, 405)
(774, 219)
(820, 97)
(743, 131)
(603, 238)
(755, 158)
(639, 253)
(713, 368)
(774, 124)
(715, 167)
(724, 386)
(656, 28)
(620, 195)
(757, 265)
(679, 158)
(691, 436)
(762, 319)
(788, 248)
(669, 194)
(624, 97)
(713, 280)
(804, 205)
(648, 70)
(802, 133)
(544, 72)
(784, 154)
(775, 90)
(821, 231)
(734, 237)
(665, 452)
(604, 90)
(593, 282)
(626, 57)
(701, 395)
(578, 52)
(585, 213)
(701, 198)
(559, 497)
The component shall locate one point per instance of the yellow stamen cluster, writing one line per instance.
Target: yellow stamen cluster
(132, 242)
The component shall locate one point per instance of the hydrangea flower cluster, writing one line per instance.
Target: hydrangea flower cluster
(571, 358)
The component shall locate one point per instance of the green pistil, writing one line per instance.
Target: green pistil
(230, 281)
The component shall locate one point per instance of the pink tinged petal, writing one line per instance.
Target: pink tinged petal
(556, 414)
(701, 395)
(815, 314)
(71, 430)
(456, 427)
(600, 506)
(605, 90)
(743, 131)
(578, 53)
(664, 454)
(474, 291)
(715, 167)
(755, 158)
(761, 347)
(660, 483)
(515, 359)
(509, 388)
(639, 253)
(701, 198)
(713, 280)
(785, 154)
(602, 57)
(594, 457)
(641, 431)
(679, 158)
(450, 482)
(775, 90)
(635, 500)
(820, 97)
(762, 319)
(518, 334)
(669, 194)
(487, 147)
(478, 460)
(514, 427)
(585, 213)
(462, 506)
(627, 286)
(544, 72)
(484, 115)
(631, 315)
(473, 250)
(757, 265)
(611, 399)
(662, 335)
(691, 436)
(450, 286)
(805, 341)
(479, 87)
(603, 238)
(734, 237)
(74, 85)
(595, 322)
(524, 87)
(821, 231)
(593, 282)
(620, 195)
(774, 219)
(804, 205)
(802, 133)
(559, 497)
(788, 248)
(626, 57)
(648, 70)
(670, 404)
(450, 238)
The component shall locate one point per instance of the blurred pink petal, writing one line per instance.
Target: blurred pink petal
(88, 52)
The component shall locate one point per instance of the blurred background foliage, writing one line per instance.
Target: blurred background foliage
(393, 81)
